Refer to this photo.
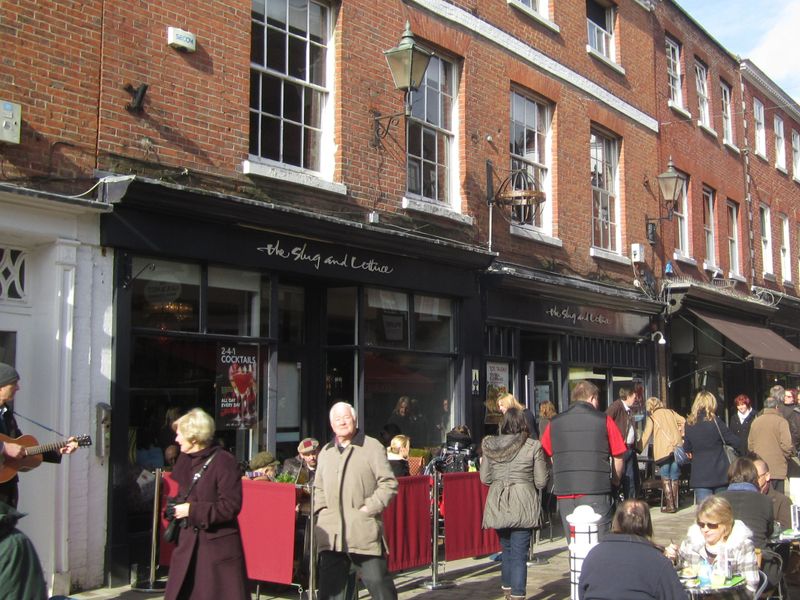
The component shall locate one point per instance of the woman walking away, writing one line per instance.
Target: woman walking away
(513, 467)
(208, 563)
(703, 441)
(666, 427)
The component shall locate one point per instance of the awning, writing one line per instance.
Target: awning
(766, 349)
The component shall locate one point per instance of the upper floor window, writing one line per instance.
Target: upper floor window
(681, 213)
(786, 254)
(674, 75)
(701, 80)
(766, 238)
(600, 21)
(288, 80)
(795, 154)
(780, 144)
(538, 6)
(733, 237)
(604, 157)
(530, 127)
(727, 116)
(708, 225)
(431, 133)
(761, 136)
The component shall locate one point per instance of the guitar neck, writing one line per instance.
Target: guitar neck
(44, 448)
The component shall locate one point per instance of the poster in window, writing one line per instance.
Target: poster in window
(394, 327)
(237, 386)
(497, 374)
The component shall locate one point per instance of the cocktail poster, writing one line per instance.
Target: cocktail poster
(237, 386)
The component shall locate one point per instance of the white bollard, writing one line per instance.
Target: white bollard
(583, 536)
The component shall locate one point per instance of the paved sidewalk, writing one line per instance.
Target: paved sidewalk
(473, 577)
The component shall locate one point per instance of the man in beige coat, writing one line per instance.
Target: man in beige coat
(771, 440)
(353, 485)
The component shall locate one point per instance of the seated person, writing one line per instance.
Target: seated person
(304, 465)
(397, 453)
(781, 504)
(626, 564)
(749, 505)
(716, 532)
(263, 467)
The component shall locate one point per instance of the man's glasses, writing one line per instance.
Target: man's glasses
(703, 524)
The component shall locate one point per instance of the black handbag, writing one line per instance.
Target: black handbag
(173, 530)
(730, 452)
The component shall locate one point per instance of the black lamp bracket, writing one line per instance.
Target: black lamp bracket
(382, 125)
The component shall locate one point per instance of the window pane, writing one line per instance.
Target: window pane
(317, 64)
(165, 295)
(311, 139)
(433, 318)
(276, 13)
(234, 301)
(297, 58)
(276, 50)
(341, 315)
(317, 16)
(291, 314)
(257, 44)
(292, 102)
(270, 138)
(271, 95)
(298, 16)
(292, 144)
(386, 318)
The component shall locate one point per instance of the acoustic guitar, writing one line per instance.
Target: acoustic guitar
(33, 458)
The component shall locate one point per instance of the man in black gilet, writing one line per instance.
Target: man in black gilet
(581, 440)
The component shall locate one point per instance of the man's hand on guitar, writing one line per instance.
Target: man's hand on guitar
(72, 445)
(12, 450)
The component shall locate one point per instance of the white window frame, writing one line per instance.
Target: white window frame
(533, 123)
(786, 249)
(433, 121)
(703, 99)
(601, 38)
(674, 74)
(765, 223)
(538, 7)
(760, 131)
(733, 238)
(681, 214)
(709, 201)
(780, 143)
(727, 117)
(604, 176)
(796, 155)
(316, 160)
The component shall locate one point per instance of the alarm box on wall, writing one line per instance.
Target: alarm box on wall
(10, 122)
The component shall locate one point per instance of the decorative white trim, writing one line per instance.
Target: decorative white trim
(438, 210)
(679, 109)
(521, 49)
(707, 266)
(783, 170)
(762, 156)
(732, 147)
(737, 277)
(680, 257)
(535, 235)
(707, 129)
(645, 4)
(534, 15)
(788, 283)
(292, 175)
(796, 178)
(770, 277)
(604, 59)
(610, 256)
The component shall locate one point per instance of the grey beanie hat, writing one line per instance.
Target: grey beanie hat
(8, 374)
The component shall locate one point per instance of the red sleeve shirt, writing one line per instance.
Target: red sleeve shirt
(616, 445)
(544, 439)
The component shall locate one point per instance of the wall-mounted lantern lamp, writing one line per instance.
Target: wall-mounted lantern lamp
(408, 63)
(670, 184)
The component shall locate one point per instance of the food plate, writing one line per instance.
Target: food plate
(691, 582)
(684, 575)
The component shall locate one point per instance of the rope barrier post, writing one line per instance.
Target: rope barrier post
(151, 585)
(433, 583)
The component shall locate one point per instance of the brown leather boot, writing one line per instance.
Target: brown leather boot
(668, 505)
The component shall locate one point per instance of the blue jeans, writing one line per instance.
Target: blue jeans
(514, 571)
(701, 494)
(671, 470)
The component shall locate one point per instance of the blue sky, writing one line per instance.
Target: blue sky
(765, 31)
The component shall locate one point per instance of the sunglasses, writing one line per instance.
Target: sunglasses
(703, 524)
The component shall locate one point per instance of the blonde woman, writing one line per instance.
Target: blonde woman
(716, 533)
(208, 562)
(703, 441)
(546, 413)
(666, 428)
(397, 453)
(507, 401)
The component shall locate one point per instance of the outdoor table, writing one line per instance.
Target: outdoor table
(733, 589)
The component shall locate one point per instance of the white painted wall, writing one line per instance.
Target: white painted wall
(64, 359)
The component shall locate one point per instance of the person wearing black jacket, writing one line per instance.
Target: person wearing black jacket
(741, 421)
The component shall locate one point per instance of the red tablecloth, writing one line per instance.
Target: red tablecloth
(407, 524)
(464, 497)
(267, 524)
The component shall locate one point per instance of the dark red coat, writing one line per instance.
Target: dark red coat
(210, 549)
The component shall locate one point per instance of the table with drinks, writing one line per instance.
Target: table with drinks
(713, 581)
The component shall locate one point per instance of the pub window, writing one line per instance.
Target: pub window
(234, 302)
(165, 294)
(291, 314)
(433, 323)
(386, 318)
(341, 314)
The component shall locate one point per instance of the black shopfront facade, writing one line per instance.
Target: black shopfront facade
(551, 331)
(264, 316)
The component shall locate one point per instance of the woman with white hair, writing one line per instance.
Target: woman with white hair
(209, 562)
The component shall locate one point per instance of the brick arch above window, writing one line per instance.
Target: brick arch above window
(534, 81)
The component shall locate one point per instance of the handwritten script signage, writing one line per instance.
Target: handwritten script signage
(576, 316)
(301, 253)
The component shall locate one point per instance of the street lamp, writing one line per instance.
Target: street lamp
(670, 184)
(408, 63)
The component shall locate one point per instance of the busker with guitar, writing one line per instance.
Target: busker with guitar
(9, 384)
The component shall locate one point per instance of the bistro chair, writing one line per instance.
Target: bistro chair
(763, 582)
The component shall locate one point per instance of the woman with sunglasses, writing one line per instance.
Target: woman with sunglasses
(717, 534)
